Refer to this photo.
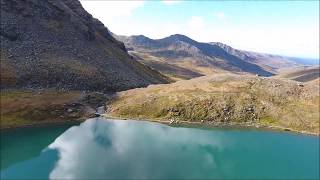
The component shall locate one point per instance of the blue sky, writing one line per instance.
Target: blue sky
(280, 27)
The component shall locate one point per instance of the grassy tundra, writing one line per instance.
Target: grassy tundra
(225, 98)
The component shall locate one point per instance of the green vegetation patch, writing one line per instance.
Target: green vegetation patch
(26, 107)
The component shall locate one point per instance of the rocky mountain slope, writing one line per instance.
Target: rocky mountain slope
(270, 62)
(179, 50)
(57, 44)
(226, 99)
(172, 70)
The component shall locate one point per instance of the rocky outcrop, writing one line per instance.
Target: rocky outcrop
(56, 43)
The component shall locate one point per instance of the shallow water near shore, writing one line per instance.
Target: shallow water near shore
(126, 149)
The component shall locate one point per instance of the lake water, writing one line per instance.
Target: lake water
(143, 150)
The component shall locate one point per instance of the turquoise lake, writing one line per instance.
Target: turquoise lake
(125, 149)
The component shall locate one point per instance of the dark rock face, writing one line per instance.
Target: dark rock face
(57, 44)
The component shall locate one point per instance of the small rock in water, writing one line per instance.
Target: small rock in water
(101, 110)
(96, 115)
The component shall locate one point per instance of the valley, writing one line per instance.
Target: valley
(211, 83)
(159, 90)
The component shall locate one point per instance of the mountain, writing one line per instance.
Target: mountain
(171, 70)
(305, 61)
(302, 74)
(57, 44)
(270, 62)
(180, 50)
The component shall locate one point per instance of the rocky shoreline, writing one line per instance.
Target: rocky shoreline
(176, 123)
(218, 125)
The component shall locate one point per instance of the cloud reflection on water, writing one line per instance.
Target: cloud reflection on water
(120, 149)
(131, 149)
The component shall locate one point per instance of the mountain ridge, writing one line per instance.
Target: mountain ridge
(221, 56)
(302, 74)
(179, 48)
(275, 62)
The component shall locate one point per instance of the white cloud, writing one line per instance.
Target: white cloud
(105, 143)
(284, 39)
(106, 11)
(196, 22)
(220, 15)
(171, 2)
(276, 39)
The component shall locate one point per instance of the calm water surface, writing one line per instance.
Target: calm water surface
(144, 150)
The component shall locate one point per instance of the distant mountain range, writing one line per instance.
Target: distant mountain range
(270, 62)
(302, 74)
(182, 57)
(181, 51)
(57, 44)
